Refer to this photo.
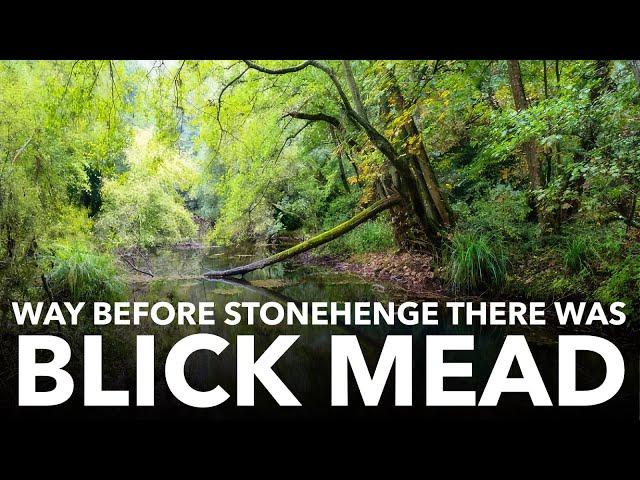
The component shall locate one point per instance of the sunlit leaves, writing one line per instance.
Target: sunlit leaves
(142, 207)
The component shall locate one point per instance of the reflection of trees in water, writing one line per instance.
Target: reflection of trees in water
(488, 340)
(305, 368)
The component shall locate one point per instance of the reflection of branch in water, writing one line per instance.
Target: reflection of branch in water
(130, 263)
(280, 297)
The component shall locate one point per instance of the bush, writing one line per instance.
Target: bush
(623, 286)
(474, 262)
(79, 274)
(145, 214)
(145, 206)
(504, 214)
(578, 254)
(339, 209)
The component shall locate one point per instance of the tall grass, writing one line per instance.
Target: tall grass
(474, 262)
(372, 236)
(577, 254)
(80, 274)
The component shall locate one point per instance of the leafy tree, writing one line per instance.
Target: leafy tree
(143, 206)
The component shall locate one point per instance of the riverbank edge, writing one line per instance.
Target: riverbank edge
(414, 273)
(419, 277)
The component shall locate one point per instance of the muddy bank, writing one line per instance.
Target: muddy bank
(417, 275)
(411, 272)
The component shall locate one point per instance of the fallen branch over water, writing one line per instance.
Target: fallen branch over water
(130, 263)
(313, 242)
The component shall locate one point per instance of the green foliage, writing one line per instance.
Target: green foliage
(59, 120)
(78, 273)
(372, 236)
(623, 286)
(146, 216)
(578, 254)
(339, 209)
(503, 213)
(475, 262)
(20, 214)
(143, 207)
(619, 270)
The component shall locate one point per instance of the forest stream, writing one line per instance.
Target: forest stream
(488, 180)
(177, 277)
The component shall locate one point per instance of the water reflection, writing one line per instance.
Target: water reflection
(305, 368)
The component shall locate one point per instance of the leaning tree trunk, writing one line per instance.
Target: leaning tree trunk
(416, 152)
(417, 184)
(411, 182)
(416, 219)
(313, 242)
(353, 87)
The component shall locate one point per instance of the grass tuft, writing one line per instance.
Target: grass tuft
(578, 254)
(475, 262)
(80, 274)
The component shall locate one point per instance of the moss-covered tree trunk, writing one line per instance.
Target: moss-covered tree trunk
(415, 219)
(426, 212)
(419, 162)
(313, 242)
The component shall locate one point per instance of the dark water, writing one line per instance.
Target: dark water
(305, 368)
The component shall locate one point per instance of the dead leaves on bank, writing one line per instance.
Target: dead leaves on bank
(414, 273)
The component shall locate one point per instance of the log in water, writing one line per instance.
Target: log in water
(313, 242)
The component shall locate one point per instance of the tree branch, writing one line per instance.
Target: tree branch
(177, 82)
(315, 117)
(376, 137)
(21, 149)
(277, 71)
(130, 263)
(355, 93)
(313, 242)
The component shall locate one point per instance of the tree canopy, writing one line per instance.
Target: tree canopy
(513, 174)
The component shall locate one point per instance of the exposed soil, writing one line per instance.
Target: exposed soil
(416, 274)
(411, 272)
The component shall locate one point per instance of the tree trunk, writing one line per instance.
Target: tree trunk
(520, 100)
(353, 87)
(313, 242)
(426, 173)
(419, 184)
(419, 213)
(635, 66)
(409, 184)
(343, 176)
